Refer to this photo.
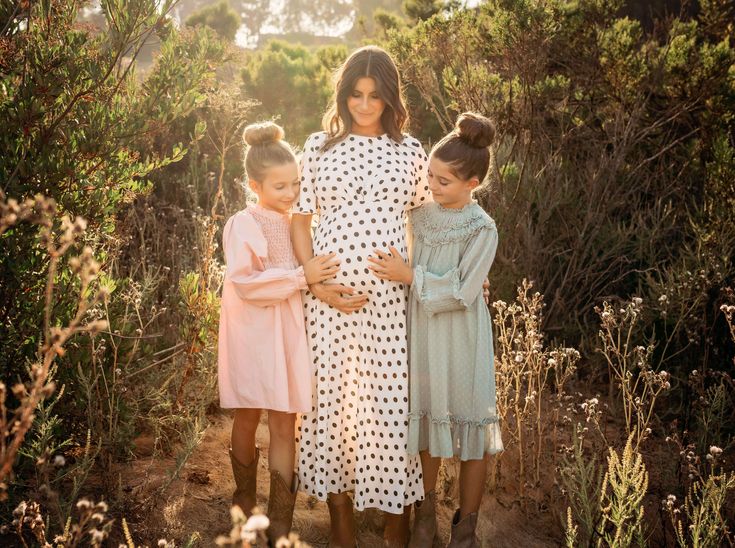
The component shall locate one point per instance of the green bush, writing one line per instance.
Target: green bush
(292, 84)
(609, 158)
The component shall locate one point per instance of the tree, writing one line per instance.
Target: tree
(220, 17)
(78, 127)
(292, 82)
(421, 10)
(254, 14)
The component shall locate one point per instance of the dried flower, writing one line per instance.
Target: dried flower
(257, 522)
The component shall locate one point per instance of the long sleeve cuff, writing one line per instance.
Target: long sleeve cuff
(300, 278)
(438, 294)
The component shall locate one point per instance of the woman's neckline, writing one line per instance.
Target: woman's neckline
(357, 135)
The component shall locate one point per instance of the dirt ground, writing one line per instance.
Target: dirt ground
(197, 502)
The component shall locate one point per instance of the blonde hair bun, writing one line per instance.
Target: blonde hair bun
(475, 130)
(263, 133)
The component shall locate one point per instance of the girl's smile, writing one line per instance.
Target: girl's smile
(447, 189)
(279, 188)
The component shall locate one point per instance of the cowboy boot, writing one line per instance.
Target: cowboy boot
(424, 522)
(245, 482)
(342, 523)
(395, 532)
(463, 532)
(280, 507)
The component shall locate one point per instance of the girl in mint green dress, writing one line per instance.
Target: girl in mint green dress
(451, 372)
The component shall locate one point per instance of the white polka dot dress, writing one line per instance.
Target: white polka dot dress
(355, 437)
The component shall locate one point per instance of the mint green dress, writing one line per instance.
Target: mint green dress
(451, 369)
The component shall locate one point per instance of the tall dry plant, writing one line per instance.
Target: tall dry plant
(621, 500)
(701, 521)
(226, 116)
(90, 527)
(530, 379)
(629, 367)
(57, 237)
(250, 531)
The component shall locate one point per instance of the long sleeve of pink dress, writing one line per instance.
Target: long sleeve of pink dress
(263, 359)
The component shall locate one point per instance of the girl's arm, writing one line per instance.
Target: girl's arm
(268, 287)
(458, 288)
(262, 288)
(304, 251)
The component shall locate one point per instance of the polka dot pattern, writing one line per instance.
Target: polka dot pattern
(355, 436)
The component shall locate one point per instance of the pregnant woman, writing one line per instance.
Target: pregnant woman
(359, 176)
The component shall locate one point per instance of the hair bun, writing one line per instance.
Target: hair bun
(263, 133)
(475, 129)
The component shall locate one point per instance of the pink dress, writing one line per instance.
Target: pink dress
(263, 359)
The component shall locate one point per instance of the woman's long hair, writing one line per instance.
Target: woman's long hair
(371, 62)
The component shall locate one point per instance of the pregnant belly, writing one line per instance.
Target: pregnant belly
(352, 234)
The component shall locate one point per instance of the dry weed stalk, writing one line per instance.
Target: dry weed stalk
(247, 532)
(699, 521)
(524, 369)
(580, 477)
(227, 118)
(729, 311)
(621, 501)
(629, 367)
(91, 528)
(703, 512)
(570, 531)
(42, 212)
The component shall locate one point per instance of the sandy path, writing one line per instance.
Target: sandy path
(198, 501)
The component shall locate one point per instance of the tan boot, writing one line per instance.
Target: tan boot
(395, 532)
(342, 524)
(463, 532)
(424, 522)
(280, 507)
(246, 483)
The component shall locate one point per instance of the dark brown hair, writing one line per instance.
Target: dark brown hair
(265, 148)
(465, 148)
(371, 62)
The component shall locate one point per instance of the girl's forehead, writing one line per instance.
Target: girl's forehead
(283, 172)
(438, 165)
(443, 169)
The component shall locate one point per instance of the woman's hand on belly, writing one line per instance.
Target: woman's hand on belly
(339, 296)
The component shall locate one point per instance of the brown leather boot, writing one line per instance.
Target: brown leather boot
(463, 532)
(395, 532)
(280, 507)
(342, 523)
(246, 482)
(424, 522)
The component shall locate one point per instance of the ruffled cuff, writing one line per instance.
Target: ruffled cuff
(438, 294)
(300, 278)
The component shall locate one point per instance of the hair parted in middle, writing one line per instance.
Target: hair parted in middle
(366, 62)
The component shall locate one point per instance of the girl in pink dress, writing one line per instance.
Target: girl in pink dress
(263, 360)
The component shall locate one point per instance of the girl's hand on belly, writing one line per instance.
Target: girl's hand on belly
(391, 266)
(339, 296)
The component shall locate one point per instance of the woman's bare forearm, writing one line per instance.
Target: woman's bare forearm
(301, 237)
